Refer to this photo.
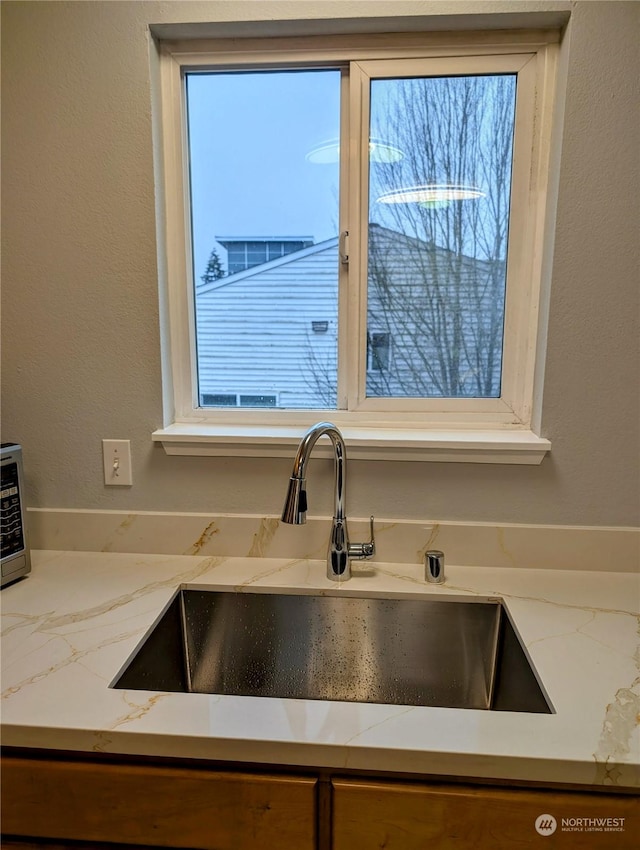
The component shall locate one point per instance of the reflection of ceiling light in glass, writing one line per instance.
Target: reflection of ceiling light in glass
(329, 152)
(325, 153)
(431, 195)
(380, 151)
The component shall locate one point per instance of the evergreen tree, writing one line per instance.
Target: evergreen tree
(214, 270)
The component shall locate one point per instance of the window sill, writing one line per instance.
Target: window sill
(477, 446)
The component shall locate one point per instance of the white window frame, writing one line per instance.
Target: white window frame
(478, 430)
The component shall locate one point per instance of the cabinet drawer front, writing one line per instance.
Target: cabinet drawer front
(160, 806)
(408, 816)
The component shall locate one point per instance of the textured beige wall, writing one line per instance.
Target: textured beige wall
(81, 350)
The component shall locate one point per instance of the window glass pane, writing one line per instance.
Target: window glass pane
(256, 254)
(378, 352)
(276, 249)
(257, 401)
(258, 197)
(219, 399)
(439, 185)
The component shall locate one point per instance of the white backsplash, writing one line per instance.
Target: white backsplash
(464, 543)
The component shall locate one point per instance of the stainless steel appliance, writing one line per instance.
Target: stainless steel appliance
(16, 561)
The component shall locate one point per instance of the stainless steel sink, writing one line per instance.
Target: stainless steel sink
(462, 653)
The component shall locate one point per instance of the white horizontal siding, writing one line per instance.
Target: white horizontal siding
(255, 335)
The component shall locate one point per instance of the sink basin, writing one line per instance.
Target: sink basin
(456, 653)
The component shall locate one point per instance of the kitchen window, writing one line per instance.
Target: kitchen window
(396, 186)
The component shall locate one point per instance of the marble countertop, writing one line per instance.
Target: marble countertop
(68, 629)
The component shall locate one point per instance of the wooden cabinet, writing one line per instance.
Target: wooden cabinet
(164, 806)
(78, 803)
(369, 815)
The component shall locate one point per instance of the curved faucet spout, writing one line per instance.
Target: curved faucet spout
(295, 506)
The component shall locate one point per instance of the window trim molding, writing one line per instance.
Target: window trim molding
(388, 443)
(454, 430)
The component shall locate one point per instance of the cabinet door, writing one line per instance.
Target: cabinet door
(407, 816)
(156, 805)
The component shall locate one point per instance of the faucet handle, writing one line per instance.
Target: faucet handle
(360, 551)
(371, 545)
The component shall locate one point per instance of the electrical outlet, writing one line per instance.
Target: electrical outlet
(116, 455)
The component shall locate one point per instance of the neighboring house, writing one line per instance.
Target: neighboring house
(267, 336)
(435, 320)
(260, 331)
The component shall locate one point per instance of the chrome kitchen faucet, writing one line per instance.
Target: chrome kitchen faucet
(340, 552)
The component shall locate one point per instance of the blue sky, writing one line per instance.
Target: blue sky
(249, 136)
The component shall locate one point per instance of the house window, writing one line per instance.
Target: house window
(258, 400)
(378, 352)
(238, 400)
(245, 253)
(219, 399)
(409, 175)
